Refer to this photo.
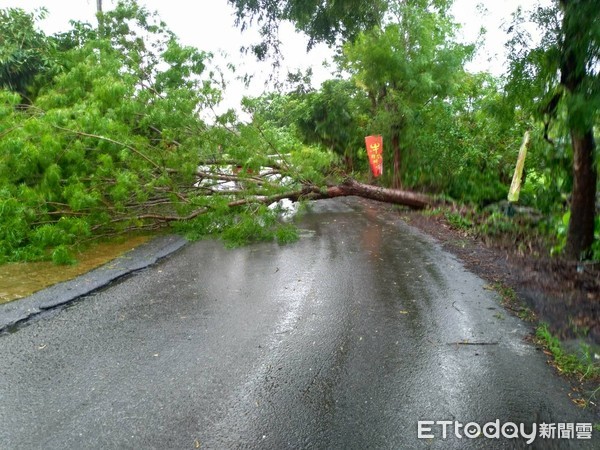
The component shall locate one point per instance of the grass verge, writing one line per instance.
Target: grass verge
(511, 301)
(580, 366)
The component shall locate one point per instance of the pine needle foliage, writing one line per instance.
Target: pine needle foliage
(112, 141)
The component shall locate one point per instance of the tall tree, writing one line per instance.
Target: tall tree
(405, 67)
(562, 73)
(579, 53)
(24, 50)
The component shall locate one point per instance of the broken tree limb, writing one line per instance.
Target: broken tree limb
(396, 196)
(226, 177)
(308, 192)
(352, 187)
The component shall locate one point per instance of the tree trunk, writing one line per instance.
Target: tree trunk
(349, 160)
(580, 235)
(100, 17)
(350, 187)
(397, 177)
(574, 61)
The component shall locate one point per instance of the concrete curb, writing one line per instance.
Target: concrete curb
(149, 253)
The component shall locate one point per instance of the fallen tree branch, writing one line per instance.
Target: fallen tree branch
(227, 177)
(399, 197)
(295, 196)
(309, 192)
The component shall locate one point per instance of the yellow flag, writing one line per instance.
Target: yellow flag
(515, 187)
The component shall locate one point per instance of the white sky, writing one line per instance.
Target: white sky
(209, 26)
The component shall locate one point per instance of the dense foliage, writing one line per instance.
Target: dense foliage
(102, 129)
(459, 133)
(322, 21)
(111, 140)
(24, 51)
(407, 68)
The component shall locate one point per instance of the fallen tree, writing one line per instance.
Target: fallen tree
(253, 217)
(109, 146)
(399, 197)
(349, 187)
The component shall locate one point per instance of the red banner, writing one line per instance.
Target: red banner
(375, 153)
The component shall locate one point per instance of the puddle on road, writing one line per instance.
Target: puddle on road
(18, 280)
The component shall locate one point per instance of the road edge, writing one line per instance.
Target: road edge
(19, 311)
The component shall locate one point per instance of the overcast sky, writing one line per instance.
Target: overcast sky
(209, 26)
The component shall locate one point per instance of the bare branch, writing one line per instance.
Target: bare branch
(226, 177)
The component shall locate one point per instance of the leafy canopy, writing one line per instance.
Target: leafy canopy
(24, 50)
(114, 142)
(323, 21)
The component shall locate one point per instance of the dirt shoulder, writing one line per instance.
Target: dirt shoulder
(562, 294)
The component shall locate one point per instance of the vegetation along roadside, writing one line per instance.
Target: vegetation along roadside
(110, 128)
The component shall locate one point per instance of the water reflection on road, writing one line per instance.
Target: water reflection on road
(344, 339)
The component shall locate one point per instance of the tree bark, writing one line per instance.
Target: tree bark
(351, 187)
(580, 236)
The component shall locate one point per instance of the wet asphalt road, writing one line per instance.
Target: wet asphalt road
(343, 340)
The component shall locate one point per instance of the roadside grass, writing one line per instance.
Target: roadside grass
(458, 220)
(524, 232)
(510, 301)
(580, 364)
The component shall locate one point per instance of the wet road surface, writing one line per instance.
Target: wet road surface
(343, 340)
